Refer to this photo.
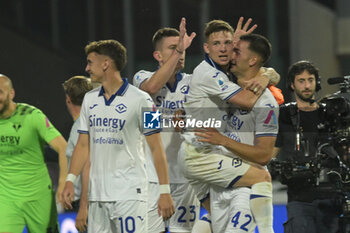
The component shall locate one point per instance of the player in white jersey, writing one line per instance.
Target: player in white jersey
(168, 86)
(111, 136)
(75, 89)
(210, 88)
(250, 135)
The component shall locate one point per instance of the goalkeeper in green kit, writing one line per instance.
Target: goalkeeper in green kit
(26, 192)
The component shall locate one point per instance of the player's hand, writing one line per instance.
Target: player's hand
(210, 135)
(179, 117)
(81, 219)
(59, 193)
(271, 74)
(243, 31)
(68, 195)
(165, 206)
(257, 84)
(184, 40)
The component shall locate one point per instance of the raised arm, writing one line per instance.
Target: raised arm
(59, 144)
(165, 203)
(168, 68)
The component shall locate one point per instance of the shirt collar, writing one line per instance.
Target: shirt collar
(213, 63)
(178, 78)
(120, 92)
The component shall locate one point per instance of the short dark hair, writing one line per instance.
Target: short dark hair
(76, 88)
(259, 45)
(217, 25)
(299, 67)
(111, 48)
(162, 33)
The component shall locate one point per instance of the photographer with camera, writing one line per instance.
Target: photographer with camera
(297, 143)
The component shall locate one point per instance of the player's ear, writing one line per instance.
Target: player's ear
(253, 60)
(292, 86)
(68, 101)
(12, 94)
(157, 55)
(106, 63)
(205, 47)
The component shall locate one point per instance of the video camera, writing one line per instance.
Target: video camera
(335, 118)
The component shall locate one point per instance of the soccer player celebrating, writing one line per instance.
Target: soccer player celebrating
(210, 90)
(168, 87)
(111, 136)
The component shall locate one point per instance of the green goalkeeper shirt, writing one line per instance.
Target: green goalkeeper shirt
(23, 172)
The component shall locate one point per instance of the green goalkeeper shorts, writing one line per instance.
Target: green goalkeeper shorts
(38, 215)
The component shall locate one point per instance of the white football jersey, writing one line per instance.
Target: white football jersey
(167, 100)
(115, 128)
(245, 126)
(209, 89)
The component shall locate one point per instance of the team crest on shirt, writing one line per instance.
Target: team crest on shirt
(184, 89)
(16, 126)
(120, 108)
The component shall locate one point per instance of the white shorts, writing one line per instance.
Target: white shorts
(230, 210)
(187, 208)
(155, 222)
(203, 169)
(118, 216)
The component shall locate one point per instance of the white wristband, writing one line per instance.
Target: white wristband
(164, 189)
(71, 177)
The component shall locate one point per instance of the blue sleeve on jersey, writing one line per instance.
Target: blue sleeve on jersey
(152, 132)
(266, 135)
(233, 93)
(83, 132)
